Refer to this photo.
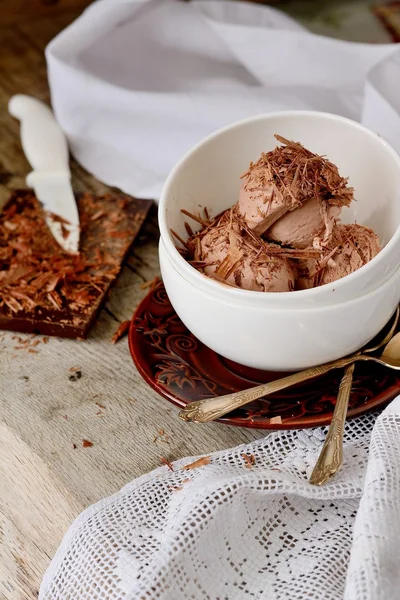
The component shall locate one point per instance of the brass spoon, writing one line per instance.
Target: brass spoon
(202, 411)
(331, 456)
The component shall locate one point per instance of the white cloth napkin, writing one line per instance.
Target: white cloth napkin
(135, 83)
(225, 531)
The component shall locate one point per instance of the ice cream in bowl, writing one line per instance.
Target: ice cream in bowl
(280, 239)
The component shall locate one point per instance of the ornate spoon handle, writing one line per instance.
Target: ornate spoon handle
(331, 456)
(202, 411)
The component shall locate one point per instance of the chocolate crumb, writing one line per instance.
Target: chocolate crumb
(177, 488)
(276, 420)
(249, 460)
(75, 376)
(162, 437)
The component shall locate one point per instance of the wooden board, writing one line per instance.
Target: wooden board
(47, 476)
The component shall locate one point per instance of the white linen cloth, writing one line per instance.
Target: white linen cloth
(136, 83)
(223, 531)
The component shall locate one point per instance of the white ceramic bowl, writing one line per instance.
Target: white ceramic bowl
(209, 176)
(281, 339)
(294, 330)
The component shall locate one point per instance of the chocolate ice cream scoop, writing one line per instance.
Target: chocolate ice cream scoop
(310, 224)
(351, 247)
(286, 178)
(228, 252)
(260, 204)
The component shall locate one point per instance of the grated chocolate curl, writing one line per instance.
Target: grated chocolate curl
(283, 180)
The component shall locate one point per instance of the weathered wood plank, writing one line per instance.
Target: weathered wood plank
(29, 492)
(46, 475)
(17, 11)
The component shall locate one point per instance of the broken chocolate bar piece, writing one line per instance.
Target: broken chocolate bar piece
(43, 289)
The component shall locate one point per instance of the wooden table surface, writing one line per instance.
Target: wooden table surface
(46, 476)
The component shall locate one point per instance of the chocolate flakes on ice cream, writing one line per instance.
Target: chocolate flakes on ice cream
(283, 233)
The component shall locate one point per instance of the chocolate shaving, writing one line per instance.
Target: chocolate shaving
(87, 443)
(121, 332)
(97, 215)
(167, 463)
(195, 217)
(150, 284)
(178, 237)
(189, 230)
(201, 462)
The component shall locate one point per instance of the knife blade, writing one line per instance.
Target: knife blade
(46, 148)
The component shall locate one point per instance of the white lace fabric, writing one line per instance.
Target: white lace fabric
(230, 529)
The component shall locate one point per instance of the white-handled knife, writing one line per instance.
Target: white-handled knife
(46, 148)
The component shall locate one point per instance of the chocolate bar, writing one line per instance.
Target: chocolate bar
(45, 290)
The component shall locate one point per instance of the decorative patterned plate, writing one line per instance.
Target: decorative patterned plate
(182, 369)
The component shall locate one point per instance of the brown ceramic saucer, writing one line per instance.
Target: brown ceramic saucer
(182, 369)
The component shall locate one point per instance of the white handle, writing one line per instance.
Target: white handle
(43, 141)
